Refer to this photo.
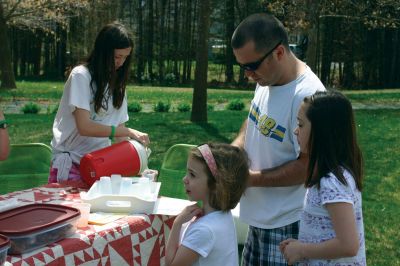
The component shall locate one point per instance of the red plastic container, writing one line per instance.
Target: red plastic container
(4, 246)
(36, 225)
(127, 158)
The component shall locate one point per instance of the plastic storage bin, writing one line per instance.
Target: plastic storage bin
(4, 246)
(36, 225)
(133, 197)
(127, 158)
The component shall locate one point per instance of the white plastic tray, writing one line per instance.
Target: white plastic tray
(133, 204)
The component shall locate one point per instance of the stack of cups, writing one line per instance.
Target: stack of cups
(126, 186)
(105, 185)
(152, 176)
(116, 184)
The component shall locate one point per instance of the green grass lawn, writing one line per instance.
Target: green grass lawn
(377, 130)
(49, 93)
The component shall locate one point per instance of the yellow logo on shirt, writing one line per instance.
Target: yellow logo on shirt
(266, 125)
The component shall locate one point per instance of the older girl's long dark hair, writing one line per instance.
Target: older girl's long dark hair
(333, 139)
(101, 66)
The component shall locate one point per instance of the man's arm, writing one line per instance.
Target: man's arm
(239, 140)
(288, 174)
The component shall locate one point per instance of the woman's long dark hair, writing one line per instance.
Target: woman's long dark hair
(333, 139)
(101, 66)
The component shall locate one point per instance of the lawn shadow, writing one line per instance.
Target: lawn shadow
(213, 131)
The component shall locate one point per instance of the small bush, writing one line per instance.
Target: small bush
(236, 105)
(183, 107)
(134, 107)
(162, 107)
(30, 108)
(170, 78)
(55, 109)
(210, 107)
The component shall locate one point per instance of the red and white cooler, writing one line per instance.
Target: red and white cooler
(127, 158)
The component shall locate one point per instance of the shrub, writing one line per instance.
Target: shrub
(30, 108)
(162, 107)
(236, 105)
(55, 109)
(210, 107)
(183, 107)
(170, 78)
(134, 107)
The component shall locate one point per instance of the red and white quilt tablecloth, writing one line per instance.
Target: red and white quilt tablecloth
(131, 240)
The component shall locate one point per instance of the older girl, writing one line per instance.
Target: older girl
(93, 108)
(331, 225)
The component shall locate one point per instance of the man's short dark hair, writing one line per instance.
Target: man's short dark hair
(263, 29)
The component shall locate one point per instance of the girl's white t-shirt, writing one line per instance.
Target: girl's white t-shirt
(78, 94)
(316, 225)
(213, 237)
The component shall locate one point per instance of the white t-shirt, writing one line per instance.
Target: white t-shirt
(78, 94)
(316, 224)
(213, 237)
(270, 142)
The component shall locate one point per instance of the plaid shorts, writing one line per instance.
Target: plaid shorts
(262, 245)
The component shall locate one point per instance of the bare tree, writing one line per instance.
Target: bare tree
(199, 102)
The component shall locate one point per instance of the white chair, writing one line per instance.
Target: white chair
(241, 228)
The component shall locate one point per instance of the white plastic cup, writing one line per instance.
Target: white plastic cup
(126, 186)
(144, 184)
(150, 174)
(136, 189)
(105, 185)
(116, 184)
(84, 208)
(153, 187)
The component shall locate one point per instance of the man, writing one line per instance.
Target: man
(273, 200)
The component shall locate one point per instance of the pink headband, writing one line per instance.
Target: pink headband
(209, 158)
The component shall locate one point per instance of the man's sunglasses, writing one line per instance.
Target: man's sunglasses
(253, 66)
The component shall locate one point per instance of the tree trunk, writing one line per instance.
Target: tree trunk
(229, 28)
(47, 56)
(7, 73)
(61, 50)
(348, 68)
(162, 42)
(313, 16)
(23, 54)
(177, 55)
(140, 48)
(187, 60)
(327, 40)
(199, 110)
(396, 60)
(150, 39)
(36, 55)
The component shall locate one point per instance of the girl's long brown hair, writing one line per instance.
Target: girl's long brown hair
(333, 139)
(102, 67)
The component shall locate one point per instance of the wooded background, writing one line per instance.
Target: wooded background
(349, 44)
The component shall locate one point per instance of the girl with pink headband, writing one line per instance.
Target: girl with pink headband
(217, 175)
